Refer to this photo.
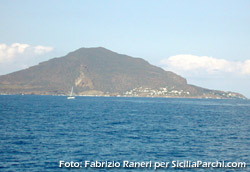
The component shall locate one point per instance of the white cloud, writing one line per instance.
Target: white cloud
(204, 64)
(246, 67)
(19, 56)
(42, 49)
(211, 72)
(7, 53)
(17, 50)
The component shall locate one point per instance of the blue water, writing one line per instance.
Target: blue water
(36, 132)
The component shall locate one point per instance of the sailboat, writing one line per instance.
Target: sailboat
(71, 94)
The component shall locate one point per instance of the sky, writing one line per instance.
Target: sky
(207, 42)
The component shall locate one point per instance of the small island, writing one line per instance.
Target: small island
(101, 72)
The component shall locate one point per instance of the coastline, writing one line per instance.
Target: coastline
(112, 96)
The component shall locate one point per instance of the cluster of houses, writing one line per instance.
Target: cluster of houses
(160, 92)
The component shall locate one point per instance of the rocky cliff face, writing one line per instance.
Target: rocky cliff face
(98, 71)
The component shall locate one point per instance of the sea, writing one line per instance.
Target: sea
(51, 133)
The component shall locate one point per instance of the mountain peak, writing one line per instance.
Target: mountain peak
(92, 49)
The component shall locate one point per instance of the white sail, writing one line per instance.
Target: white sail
(71, 94)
